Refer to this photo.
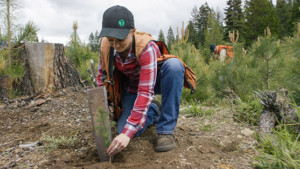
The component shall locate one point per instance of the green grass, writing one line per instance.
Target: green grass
(281, 150)
(197, 110)
(204, 127)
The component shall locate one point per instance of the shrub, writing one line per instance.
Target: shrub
(248, 112)
(53, 143)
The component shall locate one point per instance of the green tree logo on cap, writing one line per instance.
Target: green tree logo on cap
(121, 22)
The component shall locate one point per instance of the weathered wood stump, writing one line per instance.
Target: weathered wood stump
(47, 68)
(277, 110)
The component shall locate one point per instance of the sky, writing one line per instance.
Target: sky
(55, 18)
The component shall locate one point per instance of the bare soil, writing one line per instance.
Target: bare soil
(214, 141)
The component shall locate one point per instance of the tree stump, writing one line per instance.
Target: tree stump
(47, 68)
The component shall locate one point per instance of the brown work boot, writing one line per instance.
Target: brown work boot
(165, 142)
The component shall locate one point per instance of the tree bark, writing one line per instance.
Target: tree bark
(46, 68)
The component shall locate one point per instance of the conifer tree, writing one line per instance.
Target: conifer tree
(200, 21)
(92, 42)
(75, 44)
(161, 36)
(259, 15)
(295, 18)
(266, 51)
(234, 19)
(97, 37)
(193, 37)
(91, 38)
(213, 34)
(284, 12)
(170, 37)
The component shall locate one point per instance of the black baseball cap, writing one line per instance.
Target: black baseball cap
(212, 47)
(117, 22)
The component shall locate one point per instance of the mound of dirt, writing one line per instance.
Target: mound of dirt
(202, 142)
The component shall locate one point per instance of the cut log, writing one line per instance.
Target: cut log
(47, 68)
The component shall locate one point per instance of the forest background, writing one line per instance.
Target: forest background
(265, 38)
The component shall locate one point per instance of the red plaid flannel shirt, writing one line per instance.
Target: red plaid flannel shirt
(141, 79)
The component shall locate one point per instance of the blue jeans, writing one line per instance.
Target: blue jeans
(169, 84)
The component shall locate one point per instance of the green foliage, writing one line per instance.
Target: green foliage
(284, 12)
(213, 33)
(161, 36)
(62, 142)
(289, 73)
(265, 58)
(234, 19)
(87, 54)
(27, 34)
(247, 112)
(205, 127)
(199, 20)
(81, 54)
(279, 151)
(259, 68)
(94, 42)
(259, 14)
(193, 37)
(170, 37)
(197, 110)
(268, 64)
(191, 56)
(15, 69)
(295, 16)
(101, 128)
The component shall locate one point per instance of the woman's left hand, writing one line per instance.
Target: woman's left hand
(118, 144)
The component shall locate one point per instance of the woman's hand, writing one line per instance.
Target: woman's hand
(118, 144)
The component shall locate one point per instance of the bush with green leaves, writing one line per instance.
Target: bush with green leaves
(81, 56)
(193, 59)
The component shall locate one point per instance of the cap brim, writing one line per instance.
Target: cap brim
(114, 33)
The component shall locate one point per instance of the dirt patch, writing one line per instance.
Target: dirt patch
(202, 142)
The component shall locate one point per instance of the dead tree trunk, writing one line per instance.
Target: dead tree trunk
(46, 69)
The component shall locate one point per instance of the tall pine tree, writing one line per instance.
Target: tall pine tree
(284, 12)
(259, 14)
(161, 36)
(170, 37)
(199, 19)
(213, 34)
(295, 18)
(234, 19)
(193, 36)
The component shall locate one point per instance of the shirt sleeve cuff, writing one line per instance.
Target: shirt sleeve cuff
(129, 130)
